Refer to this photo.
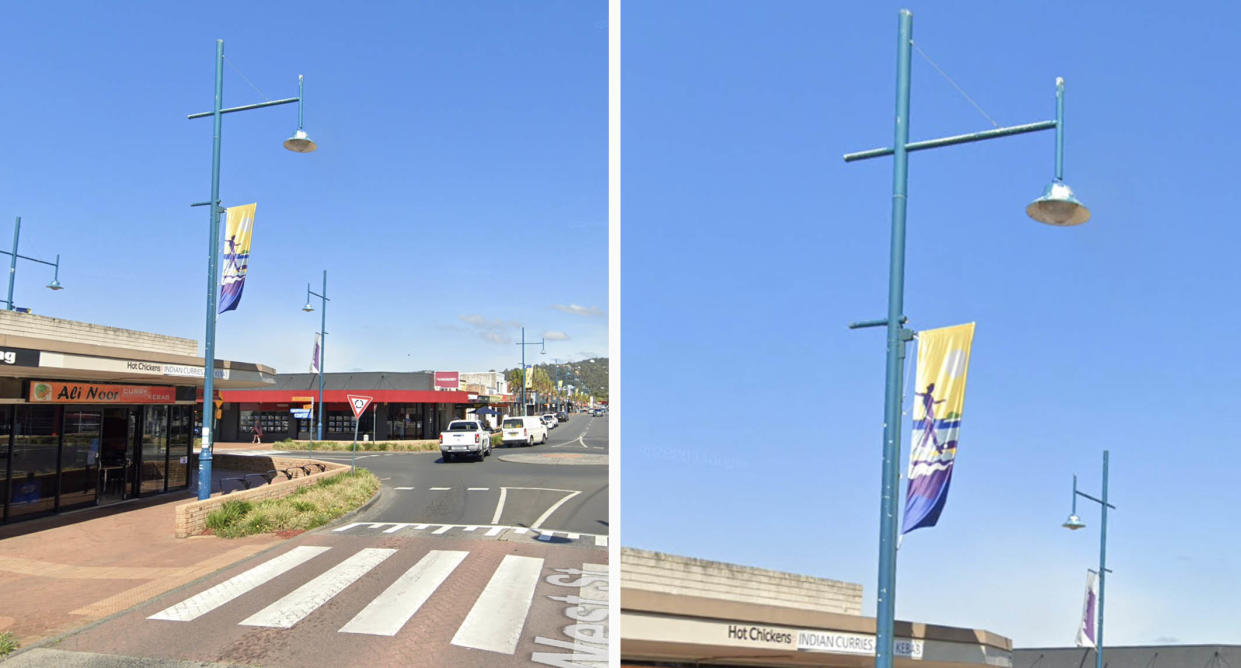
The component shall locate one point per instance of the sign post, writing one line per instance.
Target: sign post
(358, 403)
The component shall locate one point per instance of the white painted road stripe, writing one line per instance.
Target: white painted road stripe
(402, 488)
(442, 530)
(494, 530)
(477, 489)
(551, 510)
(395, 528)
(385, 615)
(440, 489)
(494, 623)
(291, 609)
(200, 604)
(495, 519)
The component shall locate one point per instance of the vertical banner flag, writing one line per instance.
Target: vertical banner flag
(314, 362)
(1085, 630)
(529, 376)
(237, 230)
(943, 363)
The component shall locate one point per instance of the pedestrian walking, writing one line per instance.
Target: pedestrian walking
(258, 432)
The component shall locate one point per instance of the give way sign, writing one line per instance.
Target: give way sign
(358, 403)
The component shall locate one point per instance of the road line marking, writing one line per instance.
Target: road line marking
(440, 489)
(551, 510)
(291, 609)
(200, 604)
(421, 526)
(477, 489)
(601, 541)
(402, 488)
(521, 530)
(572, 536)
(495, 622)
(347, 527)
(442, 530)
(468, 528)
(396, 528)
(494, 531)
(392, 609)
(495, 519)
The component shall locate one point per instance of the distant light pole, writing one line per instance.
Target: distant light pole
(1074, 523)
(54, 285)
(322, 341)
(1056, 206)
(523, 344)
(298, 143)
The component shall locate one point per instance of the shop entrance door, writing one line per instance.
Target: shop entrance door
(117, 454)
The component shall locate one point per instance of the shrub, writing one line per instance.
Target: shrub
(8, 644)
(228, 516)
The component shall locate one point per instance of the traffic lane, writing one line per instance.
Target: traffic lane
(433, 635)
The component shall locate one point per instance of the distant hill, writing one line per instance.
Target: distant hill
(592, 372)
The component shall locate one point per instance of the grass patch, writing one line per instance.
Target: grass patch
(309, 507)
(8, 644)
(363, 446)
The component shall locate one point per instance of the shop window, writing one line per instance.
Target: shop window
(32, 473)
(154, 449)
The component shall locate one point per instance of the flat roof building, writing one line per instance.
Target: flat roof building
(92, 415)
(680, 611)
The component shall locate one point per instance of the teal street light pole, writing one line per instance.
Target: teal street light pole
(298, 143)
(54, 285)
(1056, 206)
(1074, 523)
(322, 341)
(523, 345)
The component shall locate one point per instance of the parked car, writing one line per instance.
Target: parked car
(550, 420)
(523, 430)
(465, 437)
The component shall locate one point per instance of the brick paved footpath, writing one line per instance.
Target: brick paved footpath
(62, 572)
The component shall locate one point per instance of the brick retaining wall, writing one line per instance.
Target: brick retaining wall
(192, 516)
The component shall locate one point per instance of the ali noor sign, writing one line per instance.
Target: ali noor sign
(48, 392)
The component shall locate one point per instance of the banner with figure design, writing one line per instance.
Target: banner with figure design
(238, 228)
(1085, 631)
(943, 364)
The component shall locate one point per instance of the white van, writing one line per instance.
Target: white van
(523, 430)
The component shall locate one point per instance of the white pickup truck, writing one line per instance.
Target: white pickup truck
(465, 437)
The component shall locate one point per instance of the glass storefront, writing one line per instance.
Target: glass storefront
(154, 449)
(35, 444)
(55, 458)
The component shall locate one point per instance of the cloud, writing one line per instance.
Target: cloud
(555, 336)
(588, 311)
(495, 331)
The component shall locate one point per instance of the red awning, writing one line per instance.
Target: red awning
(338, 396)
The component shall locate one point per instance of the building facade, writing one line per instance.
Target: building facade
(682, 612)
(404, 406)
(91, 415)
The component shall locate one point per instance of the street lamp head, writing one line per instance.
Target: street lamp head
(308, 308)
(55, 285)
(1058, 206)
(1074, 523)
(300, 143)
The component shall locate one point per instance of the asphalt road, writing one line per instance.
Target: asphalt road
(493, 563)
(560, 493)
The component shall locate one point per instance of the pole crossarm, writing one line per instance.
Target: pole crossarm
(319, 295)
(260, 105)
(955, 139)
(32, 259)
(1098, 501)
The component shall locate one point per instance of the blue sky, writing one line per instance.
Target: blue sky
(749, 244)
(459, 190)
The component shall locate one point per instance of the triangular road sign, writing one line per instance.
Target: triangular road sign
(358, 404)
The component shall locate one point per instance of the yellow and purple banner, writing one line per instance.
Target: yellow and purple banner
(943, 364)
(238, 228)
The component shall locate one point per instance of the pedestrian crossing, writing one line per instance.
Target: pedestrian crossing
(487, 530)
(495, 620)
